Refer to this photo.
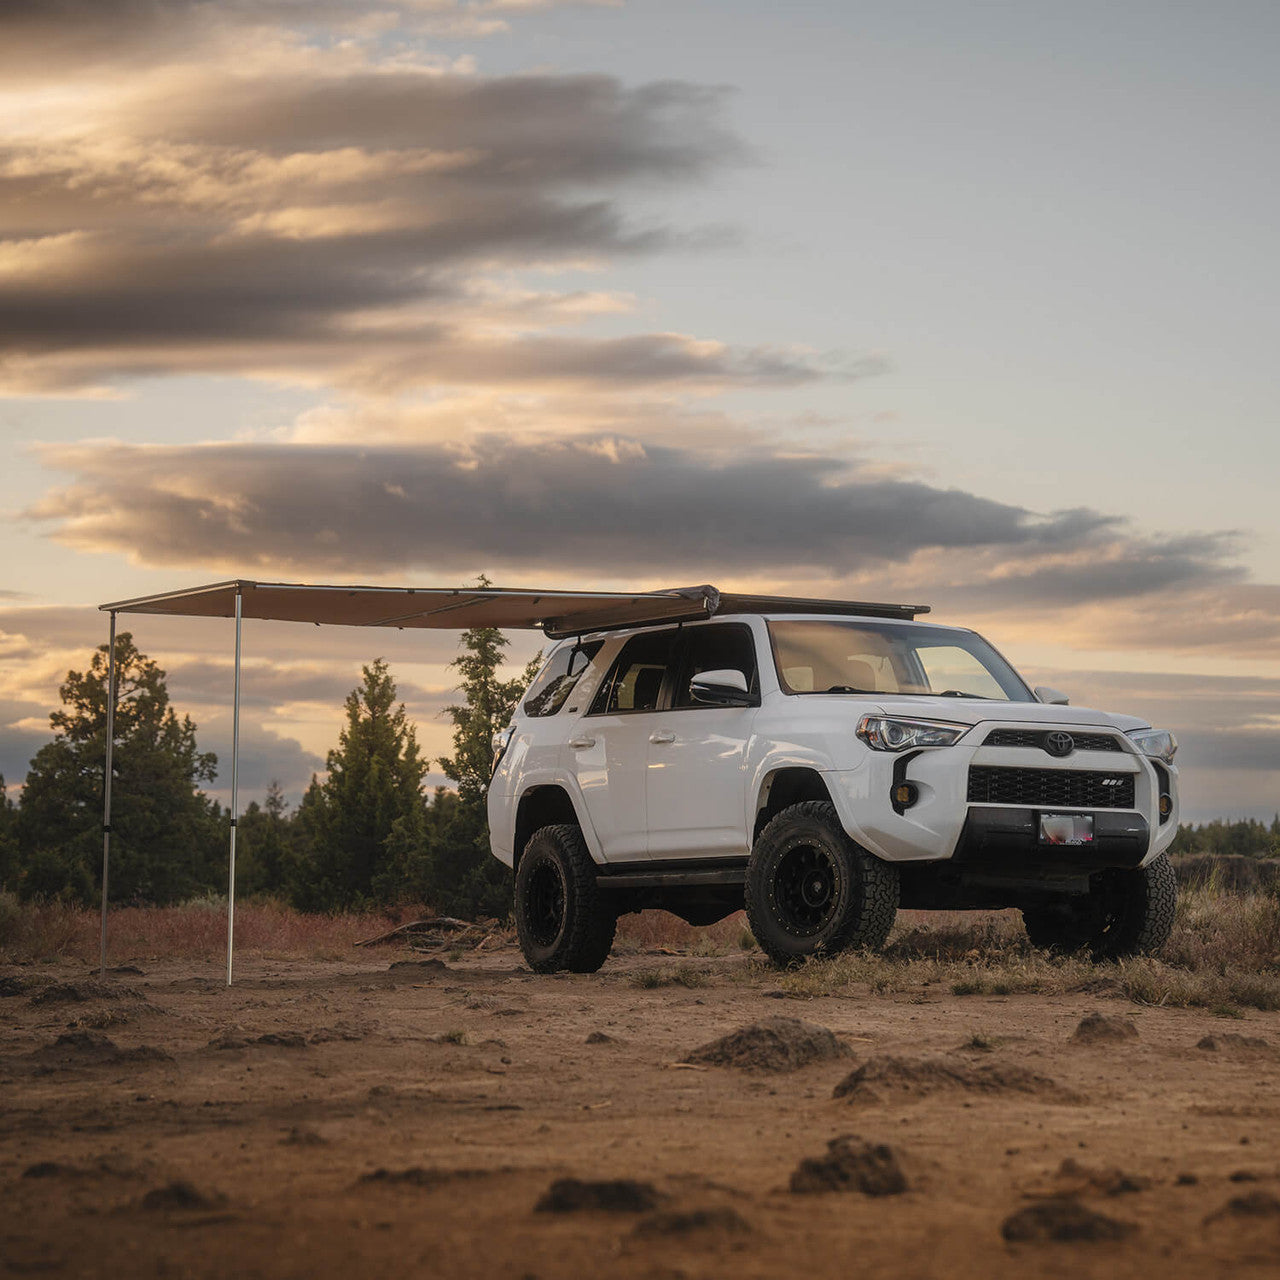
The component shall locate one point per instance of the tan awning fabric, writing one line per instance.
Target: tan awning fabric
(557, 613)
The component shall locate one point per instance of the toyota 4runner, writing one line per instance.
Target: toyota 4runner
(822, 763)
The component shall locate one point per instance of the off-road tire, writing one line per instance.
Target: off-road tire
(812, 891)
(561, 920)
(1125, 913)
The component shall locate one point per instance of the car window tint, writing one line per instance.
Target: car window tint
(635, 683)
(728, 646)
(556, 681)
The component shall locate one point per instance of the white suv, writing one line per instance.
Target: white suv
(836, 761)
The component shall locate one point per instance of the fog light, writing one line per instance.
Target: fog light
(905, 795)
(1166, 805)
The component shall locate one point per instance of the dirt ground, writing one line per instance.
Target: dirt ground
(402, 1117)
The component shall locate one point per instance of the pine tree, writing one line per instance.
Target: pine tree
(264, 840)
(374, 783)
(8, 838)
(466, 879)
(166, 835)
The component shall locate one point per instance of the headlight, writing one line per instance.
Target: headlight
(1158, 743)
(892, 733)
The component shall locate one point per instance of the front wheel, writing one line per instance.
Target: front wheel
(1125, 913)
(811, 890)
(560, 919)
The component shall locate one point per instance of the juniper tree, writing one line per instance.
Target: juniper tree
(374, 783)
(166, 834)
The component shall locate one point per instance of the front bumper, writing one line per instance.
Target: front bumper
(944, 824)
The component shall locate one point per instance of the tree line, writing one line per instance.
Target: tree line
(370, 833)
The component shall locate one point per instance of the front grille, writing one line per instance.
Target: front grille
(1050, 788)
(1036, 737)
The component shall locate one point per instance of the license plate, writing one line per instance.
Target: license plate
(1066, 828)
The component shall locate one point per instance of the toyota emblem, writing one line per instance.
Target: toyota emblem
(1059, 744)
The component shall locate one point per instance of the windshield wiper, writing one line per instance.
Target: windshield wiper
(960, 693)
(845, 688)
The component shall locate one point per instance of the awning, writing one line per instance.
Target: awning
(556, 613)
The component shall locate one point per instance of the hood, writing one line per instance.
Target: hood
(975, 711)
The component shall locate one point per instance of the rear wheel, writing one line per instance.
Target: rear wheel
(811, 890)
(1125, 913)
(561, 921)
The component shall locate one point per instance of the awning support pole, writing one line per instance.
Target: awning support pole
(106, 783)
(235, 799)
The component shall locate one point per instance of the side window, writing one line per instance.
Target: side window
(717, 647)
(555, 682)
(635, 683)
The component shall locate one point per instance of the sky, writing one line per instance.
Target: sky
(964, 303)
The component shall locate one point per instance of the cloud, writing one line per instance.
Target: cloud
(343, 217)
(36, 35)
(593, 506)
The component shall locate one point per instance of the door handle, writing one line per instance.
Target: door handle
(662, 736)
(582, 740)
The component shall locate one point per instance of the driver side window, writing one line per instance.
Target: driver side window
(638, 677)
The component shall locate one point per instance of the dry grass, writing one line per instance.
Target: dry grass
(196, 931)
(654, 930)
(1224, 955)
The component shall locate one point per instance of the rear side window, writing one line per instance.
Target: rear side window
(556, 681)
(720, 647)
(636, 680)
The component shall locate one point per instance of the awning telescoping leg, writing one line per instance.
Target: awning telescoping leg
(235, 800)
(106, 783)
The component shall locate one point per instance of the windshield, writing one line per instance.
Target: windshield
(825, 655)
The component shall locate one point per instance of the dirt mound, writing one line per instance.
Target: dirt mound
(417, 1176)
(618, 1195)
(773, 1044)
(1062, 1220)
(1076, 1179)
(407, 967)
(601, 1037)
(851, 1165)
(92, 1048)
(271, 1040)
(86, 989)
(21, 984)
(1098, 1028)
(1257, 1204)
(181, 1195)
(1231, 1044)
(684, 1222)
(882, 1078)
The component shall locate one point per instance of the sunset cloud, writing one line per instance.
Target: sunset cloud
(592, 506)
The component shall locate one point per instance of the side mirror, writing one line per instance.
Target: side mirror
(726, 688)
(1054, 697)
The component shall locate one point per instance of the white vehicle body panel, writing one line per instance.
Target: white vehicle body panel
(688, 782)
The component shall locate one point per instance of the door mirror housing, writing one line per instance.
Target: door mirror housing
(1053, 697)
(727, 688)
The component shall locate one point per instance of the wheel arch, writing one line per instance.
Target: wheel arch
(784, 786)
(544, 805)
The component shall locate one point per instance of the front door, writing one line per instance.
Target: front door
(697, 792)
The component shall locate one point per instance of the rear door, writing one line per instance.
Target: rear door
(697, 753)
(608, 750)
